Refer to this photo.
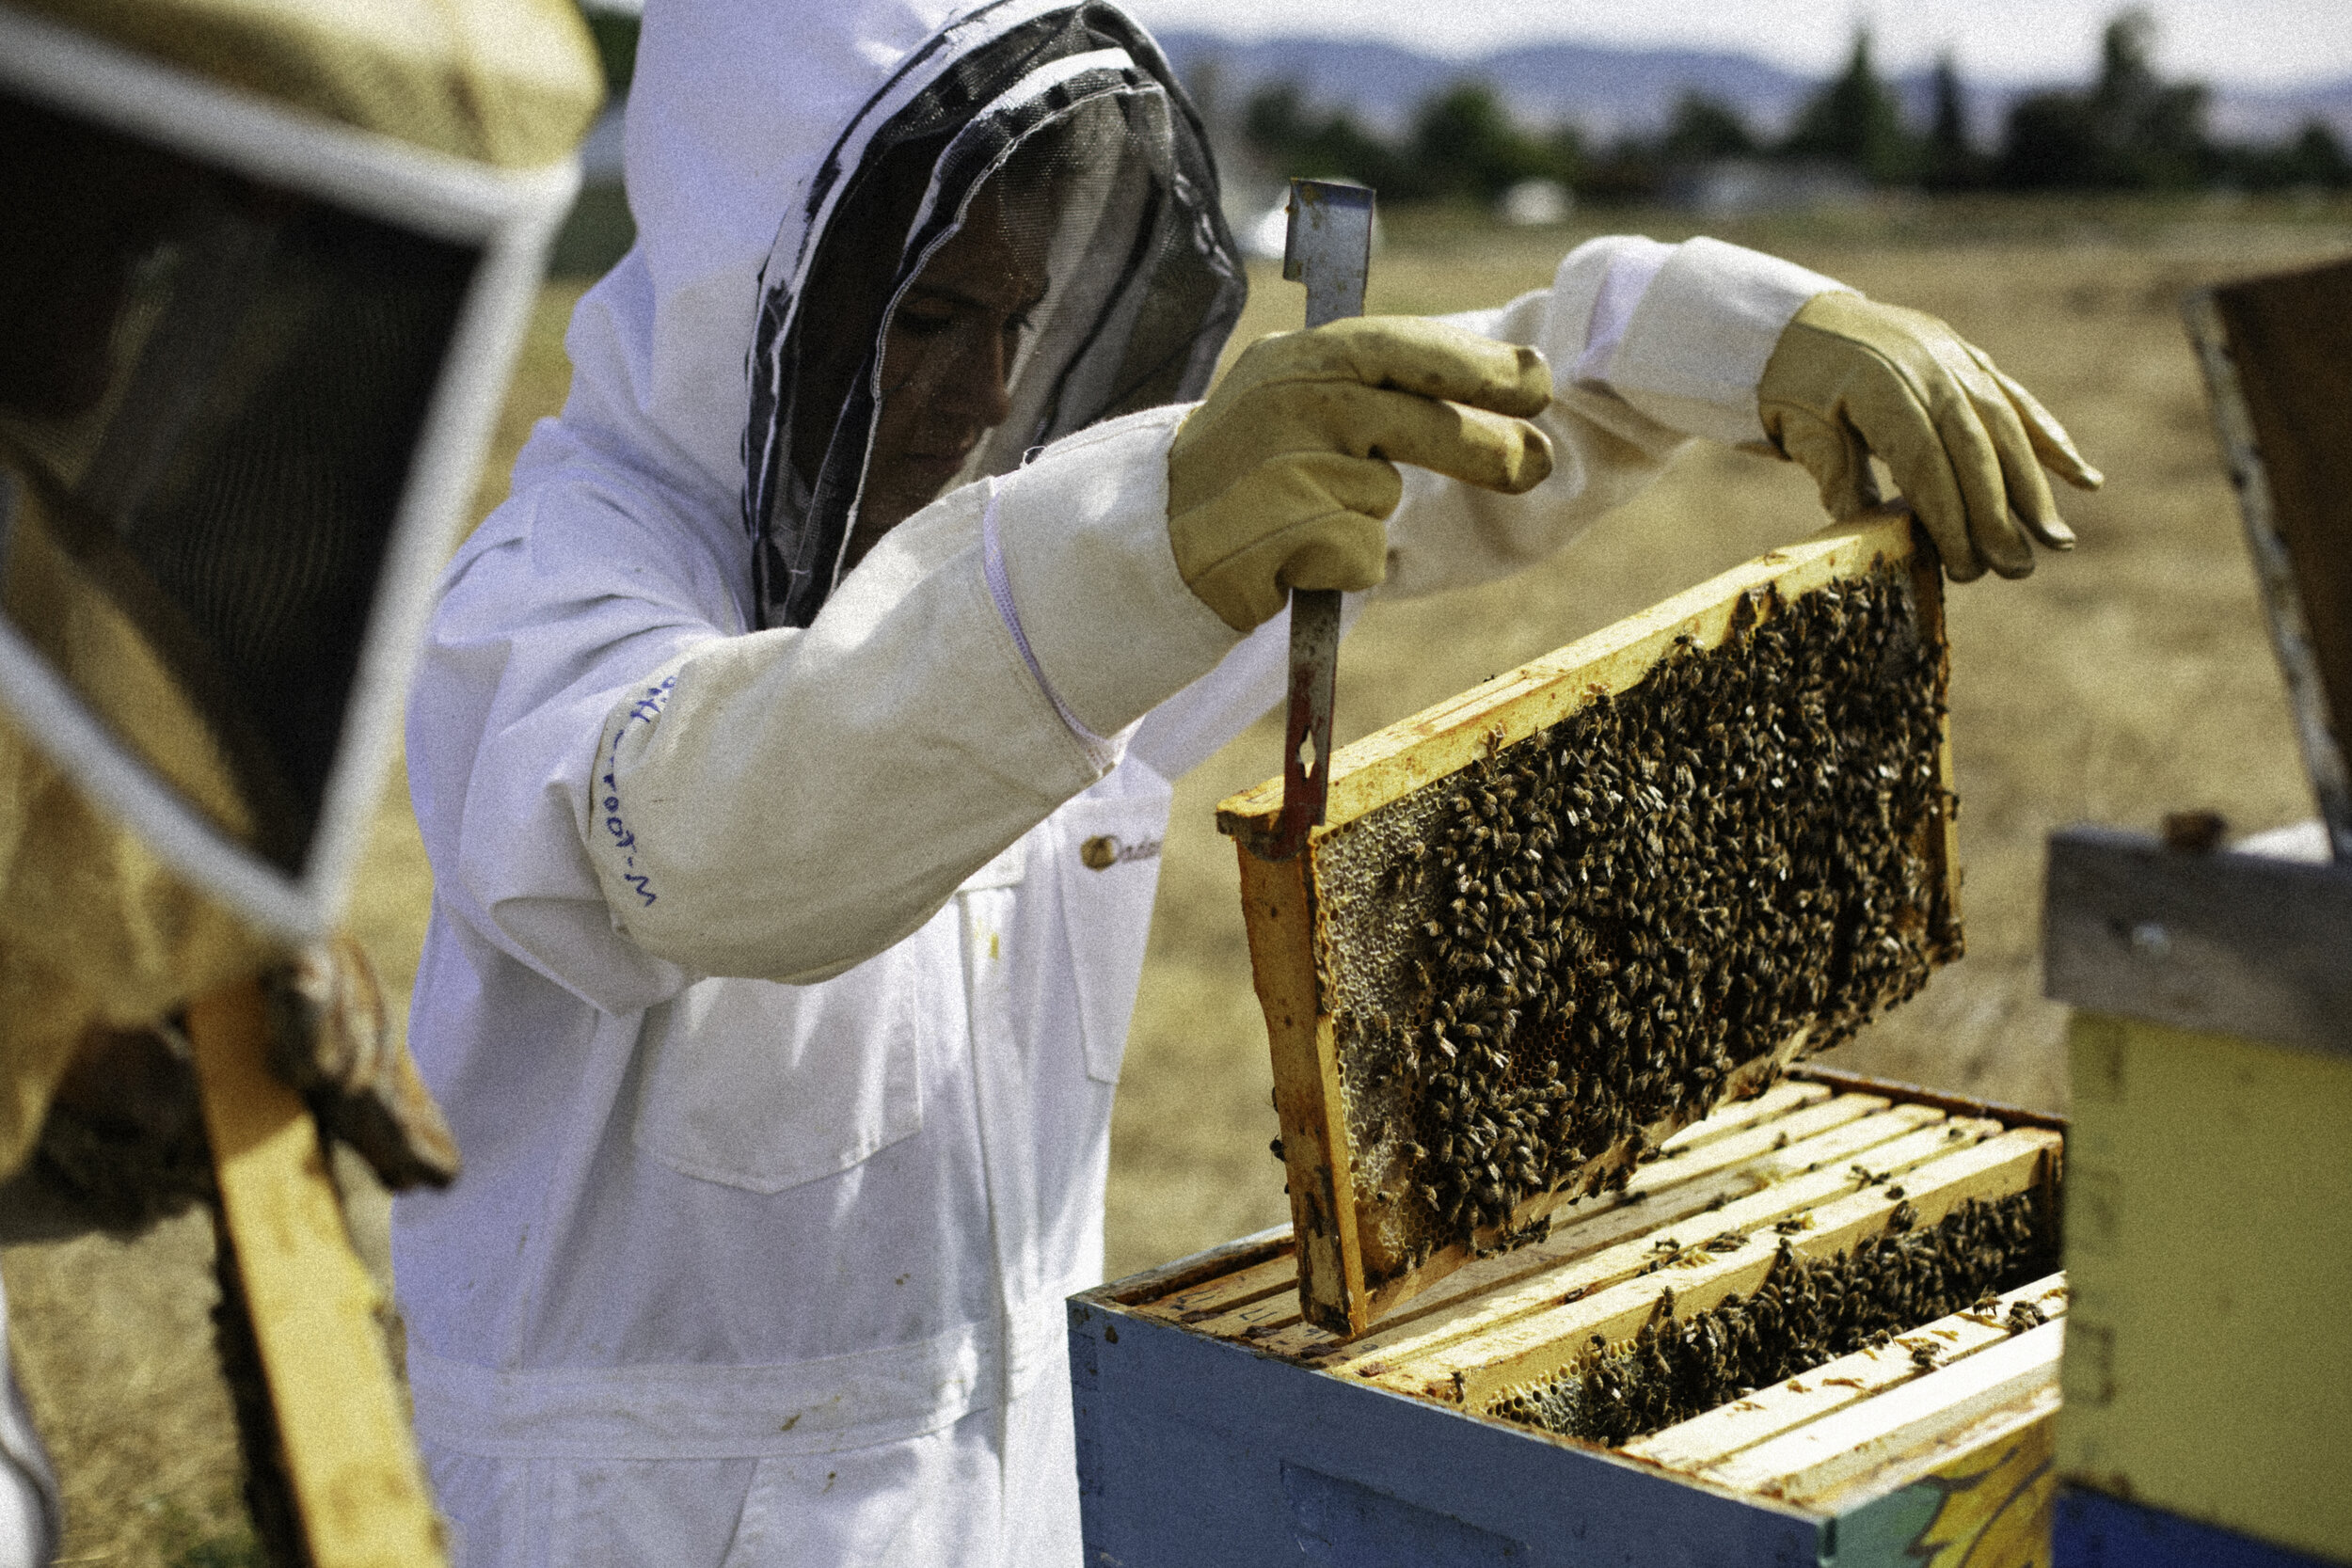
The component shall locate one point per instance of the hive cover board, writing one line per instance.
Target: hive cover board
(2277, 353)
(1555, 919)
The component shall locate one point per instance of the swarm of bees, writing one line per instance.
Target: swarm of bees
(1585, 934)
(1808, 1312)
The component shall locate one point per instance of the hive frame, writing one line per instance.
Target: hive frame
(1288, 939)
(1851, 1164)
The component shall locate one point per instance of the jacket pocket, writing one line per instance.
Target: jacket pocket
(764, 1087)
(1107, 859)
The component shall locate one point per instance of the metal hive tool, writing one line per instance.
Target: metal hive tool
(1329, 249)
(1553, 920)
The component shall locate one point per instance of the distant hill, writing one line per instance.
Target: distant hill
(1611, 92)
(1604, 90)
(2268, 115)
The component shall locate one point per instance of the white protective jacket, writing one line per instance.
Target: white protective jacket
(29, 1506)
(769, 1268)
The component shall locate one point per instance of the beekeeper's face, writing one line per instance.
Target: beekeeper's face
(946, 361)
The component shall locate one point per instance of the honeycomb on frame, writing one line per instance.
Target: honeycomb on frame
(1557, 918)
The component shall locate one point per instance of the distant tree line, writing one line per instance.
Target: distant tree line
(2128, 130)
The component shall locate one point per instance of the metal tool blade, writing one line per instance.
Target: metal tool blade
(1329, 249)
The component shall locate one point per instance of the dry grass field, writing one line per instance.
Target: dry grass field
(2127, 679)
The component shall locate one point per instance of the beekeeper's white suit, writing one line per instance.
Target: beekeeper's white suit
(770, 1270)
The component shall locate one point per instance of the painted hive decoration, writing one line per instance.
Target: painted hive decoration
(1575, 909)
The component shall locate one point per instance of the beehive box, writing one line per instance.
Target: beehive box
(1551, 922)
(1820, 1325)
(2209, 1369)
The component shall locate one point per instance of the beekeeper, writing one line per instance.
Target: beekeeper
(263, 269)
(793, 748)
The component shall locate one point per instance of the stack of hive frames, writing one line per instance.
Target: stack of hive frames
(1810, 1177)
(1555, 919)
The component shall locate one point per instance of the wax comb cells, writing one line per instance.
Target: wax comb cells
(1588, 933)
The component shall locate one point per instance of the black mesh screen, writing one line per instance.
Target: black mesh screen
(1057, 174)
(223, 393)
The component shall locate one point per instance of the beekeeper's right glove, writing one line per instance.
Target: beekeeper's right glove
(1286, 476)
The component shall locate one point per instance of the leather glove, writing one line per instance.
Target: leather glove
(1284, 478)
(124, 1147)
(1966, 444)
(331, 1039)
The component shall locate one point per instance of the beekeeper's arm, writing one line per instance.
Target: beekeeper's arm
(1651, 344)
(786, 803)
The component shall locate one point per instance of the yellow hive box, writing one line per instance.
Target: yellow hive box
(2209, 1208)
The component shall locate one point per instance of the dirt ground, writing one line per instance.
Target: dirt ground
(2126, 680)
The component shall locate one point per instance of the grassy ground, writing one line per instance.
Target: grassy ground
(2118, 683)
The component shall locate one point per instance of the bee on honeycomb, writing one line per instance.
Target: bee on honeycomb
(1586, 934)
(1807, 1312)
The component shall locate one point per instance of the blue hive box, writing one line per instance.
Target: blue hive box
(1217, 1428)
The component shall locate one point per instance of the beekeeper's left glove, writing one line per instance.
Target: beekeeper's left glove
(123, 1144)
(1851, 377)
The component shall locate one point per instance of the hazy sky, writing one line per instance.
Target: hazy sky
(2238, 43)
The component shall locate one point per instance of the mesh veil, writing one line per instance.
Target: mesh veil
(1055, 136)
(253, 372)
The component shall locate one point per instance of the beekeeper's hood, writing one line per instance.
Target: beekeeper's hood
(262, 268)
(795, 173)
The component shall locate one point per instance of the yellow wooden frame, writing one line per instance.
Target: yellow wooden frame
(1287, 932)
(343, 1427)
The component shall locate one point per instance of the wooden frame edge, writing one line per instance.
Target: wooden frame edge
(1445, 738)
(1280, 916)
(1903, 1093)
(1182, 1274)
